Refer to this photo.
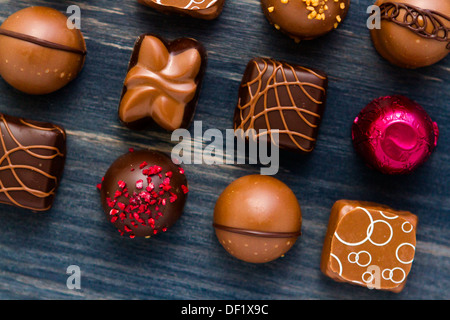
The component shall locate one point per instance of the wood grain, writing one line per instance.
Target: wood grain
(188, 262)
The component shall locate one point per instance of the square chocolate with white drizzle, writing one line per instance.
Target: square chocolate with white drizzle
(284, 98)
(370, 245)
(202, 9)
(163, 83)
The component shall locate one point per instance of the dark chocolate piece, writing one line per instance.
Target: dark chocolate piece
(39, 54)
(305, 19)
(257, 218)
(369, 244)
(285, 97)
(203, 9)
(32, 161)
(163, 83)
(413, 33)
(143, 193)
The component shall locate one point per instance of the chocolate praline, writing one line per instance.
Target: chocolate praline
(143, 193)
(413, 33)
(394, 135)
(202, 9)
(305, 19)
(39, 54)
(257, 218)
(284, 99)
(32, 156)
(163, 83)
(369, 244)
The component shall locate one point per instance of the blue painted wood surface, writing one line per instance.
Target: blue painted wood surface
(188, 262)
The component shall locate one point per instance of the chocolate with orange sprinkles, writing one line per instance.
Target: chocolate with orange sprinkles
(143, 193)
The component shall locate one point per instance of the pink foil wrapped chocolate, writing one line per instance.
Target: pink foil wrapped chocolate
(394, 135)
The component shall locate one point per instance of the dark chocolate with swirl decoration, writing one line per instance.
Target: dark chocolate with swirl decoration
(285, 97)
(32, 161)
(424, 22)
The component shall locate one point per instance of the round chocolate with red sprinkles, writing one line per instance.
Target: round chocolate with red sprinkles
(143, 193)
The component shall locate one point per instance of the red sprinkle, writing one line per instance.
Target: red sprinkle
(143, 164)
(111, 203)
(99, 186)
(185, 189)
(181, 170)
(139, 184)
(121, 184)
(131, 150)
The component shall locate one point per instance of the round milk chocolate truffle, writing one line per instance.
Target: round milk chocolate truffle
(39, 53)
(257, 218)
(305, 19)
(394, 135)
(143, 193)
(413, 33)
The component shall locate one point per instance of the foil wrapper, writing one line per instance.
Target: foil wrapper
(394, 135)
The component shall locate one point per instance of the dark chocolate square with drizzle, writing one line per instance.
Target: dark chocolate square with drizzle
(32, 157)
(280, 96)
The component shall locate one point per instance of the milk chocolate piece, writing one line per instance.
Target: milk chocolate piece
(285, 97)
(257, 218)
(369, 244)
(39, 54)
(413, 33)
(163, 83)
(203, 9)
(32, 161)
(143, 193)
(305, 19)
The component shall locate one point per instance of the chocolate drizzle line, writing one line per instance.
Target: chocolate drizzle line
(262, 92)
(13, 167)
(417, 20)
(41, 42)
(263, 234)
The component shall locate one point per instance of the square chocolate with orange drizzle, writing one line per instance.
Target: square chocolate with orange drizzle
(285, 97)
(32, 161)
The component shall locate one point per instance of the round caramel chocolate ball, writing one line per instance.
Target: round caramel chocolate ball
(143, 193)
(413, 33)
(39, 53)
(305, 19)
(257, 218)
